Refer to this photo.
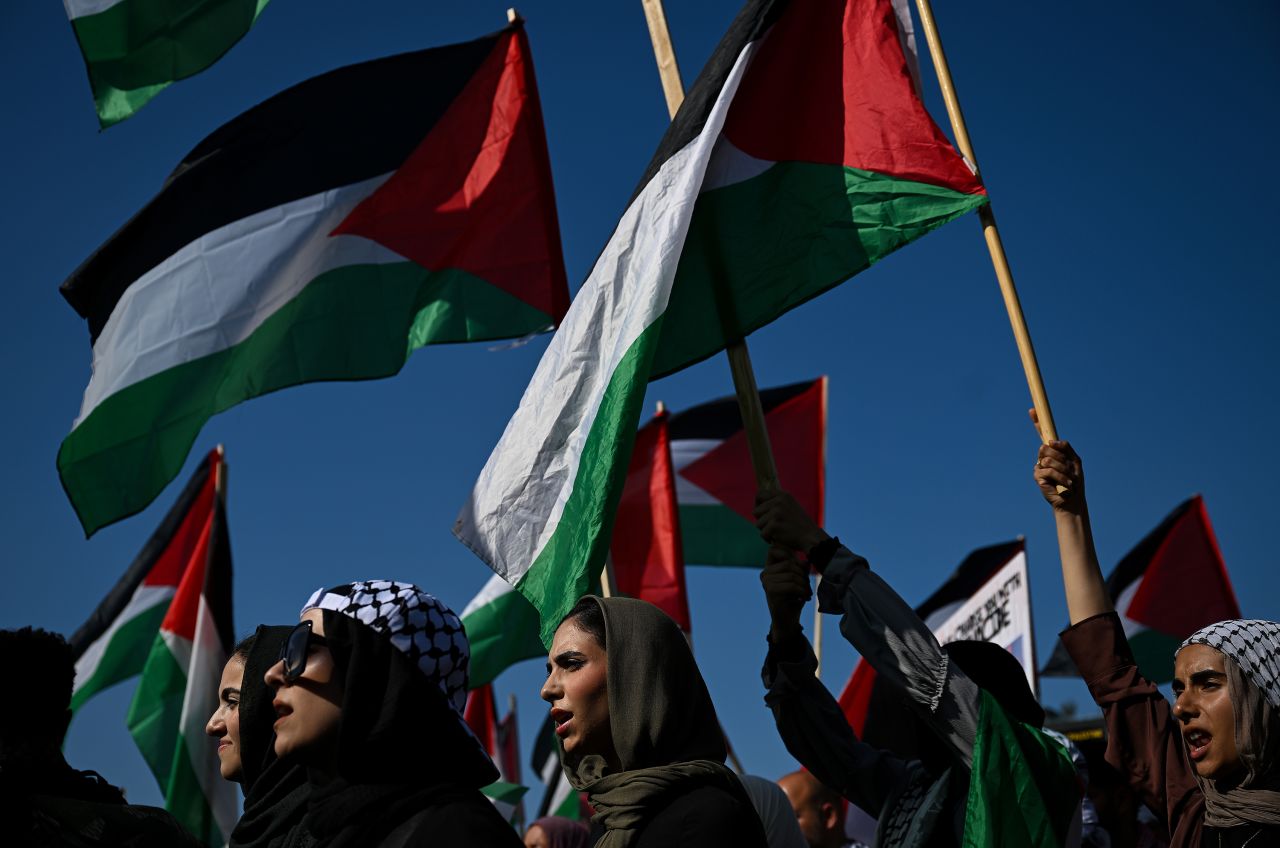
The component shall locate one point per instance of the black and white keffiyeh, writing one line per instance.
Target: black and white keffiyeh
(419, 625)
(1253, 644)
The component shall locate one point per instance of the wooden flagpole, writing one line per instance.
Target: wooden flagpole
(744, 377)
(989, 230)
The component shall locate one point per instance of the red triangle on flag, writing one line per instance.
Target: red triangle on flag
(798, 433)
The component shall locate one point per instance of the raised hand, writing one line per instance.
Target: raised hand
(783, 522)
(786, 590)
(1059, 473)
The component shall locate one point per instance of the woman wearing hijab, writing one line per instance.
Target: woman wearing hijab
(370, 688)
(1209, 765)
(639, 732)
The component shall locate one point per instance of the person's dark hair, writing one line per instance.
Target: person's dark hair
(587, 616)
(999, 672)
(46, 665)
(244, 646)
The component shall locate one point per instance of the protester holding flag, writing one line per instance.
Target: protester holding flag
(639, 732)
(370, 691)
(973, 696)
(43, 800)
(275, 792)
(1209, 766)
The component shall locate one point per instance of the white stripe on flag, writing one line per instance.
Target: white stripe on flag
(683, 453)
(521, 493)
(144, 598)
(204, 671)
(213, 293)
(495, 588)
(84, 8)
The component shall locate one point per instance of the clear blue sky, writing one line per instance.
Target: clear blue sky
(1130, 155)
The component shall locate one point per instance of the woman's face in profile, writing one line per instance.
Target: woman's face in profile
(224, 724)
(309, 707)
(577, 690)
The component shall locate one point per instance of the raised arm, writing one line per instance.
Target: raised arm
(1057, 464)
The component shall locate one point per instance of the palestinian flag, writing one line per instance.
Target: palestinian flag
(1023, 790)
(1168, 587)
(874, 711)
(645, 549)
(133, 49)
(800, 156)
(715, 483)
(506, 799)
(178, 690)
(501, 742)
(323, 235)
(502, 627)
(112, 645)
(558, 797)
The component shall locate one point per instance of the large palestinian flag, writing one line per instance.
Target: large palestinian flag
(715, 483)
(1169, 586)
(322, 235)
(133, 49)
(112, 645)
(502, 628)
(800, 156)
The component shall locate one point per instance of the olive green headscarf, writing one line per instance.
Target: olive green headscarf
(665, 729)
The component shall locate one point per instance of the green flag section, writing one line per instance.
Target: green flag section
(1170, 585)
(290, 247)
(112, 645)
(795, 161)
(178, 690)
(134, 49)
(1023, 789)
(506, 798)
(502, 627)
(715, 483)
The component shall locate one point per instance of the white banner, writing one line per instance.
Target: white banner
(998, 612)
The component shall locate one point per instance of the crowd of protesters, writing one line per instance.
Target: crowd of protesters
(347, 728)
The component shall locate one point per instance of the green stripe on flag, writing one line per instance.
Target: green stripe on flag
(557, 578)
(501, 633)
(1023, 789)
(136, 48)
(716, 535)
(124, 656)
(762, 246)
(358, 322)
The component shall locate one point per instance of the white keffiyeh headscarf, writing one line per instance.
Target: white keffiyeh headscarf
(1252, 651)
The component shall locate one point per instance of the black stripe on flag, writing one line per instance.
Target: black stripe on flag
(721, 418)
(118, 598)
(751, 23)
(342, 127)
(217, 575)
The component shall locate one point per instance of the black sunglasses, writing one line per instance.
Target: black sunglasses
(295, 649)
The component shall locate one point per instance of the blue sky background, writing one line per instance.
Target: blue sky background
(1130, 155)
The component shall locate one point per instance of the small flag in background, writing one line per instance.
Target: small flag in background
(801, 156)
(133, 49)
(647, 561)
(874, 711)
(502, 627)
(292, 246)
(184, 575)
(112, 645)
(715, 483)
(501, 742)
(1169, 586)
(558, 798)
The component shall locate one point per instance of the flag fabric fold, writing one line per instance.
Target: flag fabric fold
(645, 548)
(324, 234)
(1170, 585)
(800, 156)
(134, 49)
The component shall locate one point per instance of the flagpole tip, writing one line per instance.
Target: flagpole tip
(662, 407)
(513, 15)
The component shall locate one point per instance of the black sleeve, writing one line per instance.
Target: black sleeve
(704, 818)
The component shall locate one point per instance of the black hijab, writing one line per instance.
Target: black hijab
(275, 792)
(401, 745)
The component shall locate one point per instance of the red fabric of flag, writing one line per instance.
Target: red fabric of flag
(648, 562)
